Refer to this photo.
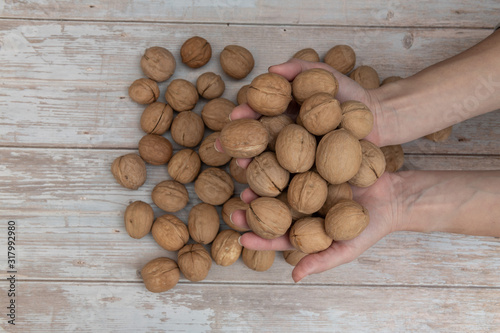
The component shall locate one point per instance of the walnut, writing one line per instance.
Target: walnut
(296, 215)
(313, 81)
(320, 113)
(372, 165)
(228, 209)
(346, 220)
(241, 98)
(157, 118)
(341, 57)
(169, 195)
(144, 91)
(155, 149)
(194, 262)
(196, 52)
(244, 138)
(307, 192)
(184, 166)
(292, 257)
(203, 223)
(309, 235)
(239, 174)
(216, 112)
(269, 218)
(170, 232)
(366, 76)
(259, 261)
(295, 148)
(225, 248)
(335, 194)
(307, 55)
(209, 155)
(214, 186)
(187, 129)
(181, 95)
(265, 175)
(394, 157)
(391, 79)
(139, 217)
(158, 63)
(356, 118)
(269, 94)
(274, 125)
(160, 274)
(441, 135)
(236, 61)
(210, 85)
(129, 171)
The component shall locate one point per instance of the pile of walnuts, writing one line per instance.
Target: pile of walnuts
(302, 169)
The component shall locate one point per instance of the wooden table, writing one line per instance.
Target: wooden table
(65, 115)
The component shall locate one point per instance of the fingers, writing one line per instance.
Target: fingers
(243, 111)
(238, 217)
(248, 195)
(253, 242)
(243, 162)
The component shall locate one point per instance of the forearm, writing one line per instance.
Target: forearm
(464, 202)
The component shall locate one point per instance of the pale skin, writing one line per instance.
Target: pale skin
(463, 202)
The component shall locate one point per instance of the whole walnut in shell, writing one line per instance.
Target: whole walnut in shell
(274, 125)
(309, 235)
(307, 55)
(170, 232)
(158, 63)
(160, 274)
(228, 209)
(295, 148)
(157, 118)
(238, 173)
(339, 156)
(366, 76)
(236, 61)
(313, 81)
(259, 261)
(241, 97)
(293, 257)
(307, 192)
(196, 52)
(372, 165)
(341, 57)
(169, 195)
(210, 85)
(269, 218)
(155, 149)
(269, 94)
(394, 157)
(391, 79)
(144, 91)
(209, 155)
(335, 194)
(129, 171)
(225, 248)
(265, 175)
(214, 186)
(187, 129)
(194, 262)
(184, 166)
(203, 223)
(356, 118)
(244, 138)
(139, 217)
(441, 135)
(296, 215)
(320, 113)
(215, 113)
(346, 220)
(181, 95)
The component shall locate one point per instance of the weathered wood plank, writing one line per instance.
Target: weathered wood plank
(356, 13)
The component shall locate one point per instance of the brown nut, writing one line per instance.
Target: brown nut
(372, 165)
(144, 91)
(214, 186)
(181, 95)
(244, 138)
(269, 218)
(203, 223)
(155, 149)
(210, 85)
(170, 196)
(209, 155)
(296, 215)
(320, 113)
(139, 217)
(158, 63)
(129, 171)
(196, 52)
(341, 57)
(441, 135)
(241, 98)
(225, 249)
(339, 156)
(307, 55)
(346, 220)
(292, 257)
(259, 261)
(356, 118)
(236, 61)
(184, 166)
(265, 175)
(194, 262)
(228, 209)
(157, 118)
(309, 235)
(170, 232)
(391, 79)
(274, 125)
(307, 192)
(160, 274)
(216, 112)
(269, 94)
(394, 157)
(313, 81)
(335, 194)
(238, 173)
(187, 129)
(366, 76)
(295, 148)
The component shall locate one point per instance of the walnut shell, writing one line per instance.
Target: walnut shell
(244, 138)
(366, 76)
(129, 171)
(274, 125)
(296, 215)
(307, 55)
(170, 232)
(139, 217)
(210, 85)
(335, 194)
(214, 186)
(181, 95)
(313, 81)
(372, 165)
(236, 61)
(203, 223)
(391, 79)
(338, 157)
(295, 148)
(194, 262)
(196, 52)
(225, 248)
(269, 94)
(441, 135)
(144, 91)
(228, 209)
(238, 173)
(209, 155)
(394, 157)
(187, 129)
(241, 97)
(216, 113)
(155, 149)
(292, 257)
(346, 220)
(158, 63)
(169, 195)
(307, 192)
(269, 218)
(320, 113)
(341, 57)
(184, 166)
(160, 274)
(265, 175)
(356, 118)
(259, 261)
(309, 235)
(157, 118)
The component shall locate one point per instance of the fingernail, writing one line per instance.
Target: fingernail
(230, 116)
(215, 147)
(231, 218)
(239, 242)
(237, 163)
(241, 196)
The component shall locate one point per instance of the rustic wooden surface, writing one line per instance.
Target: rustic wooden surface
(65, 115)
